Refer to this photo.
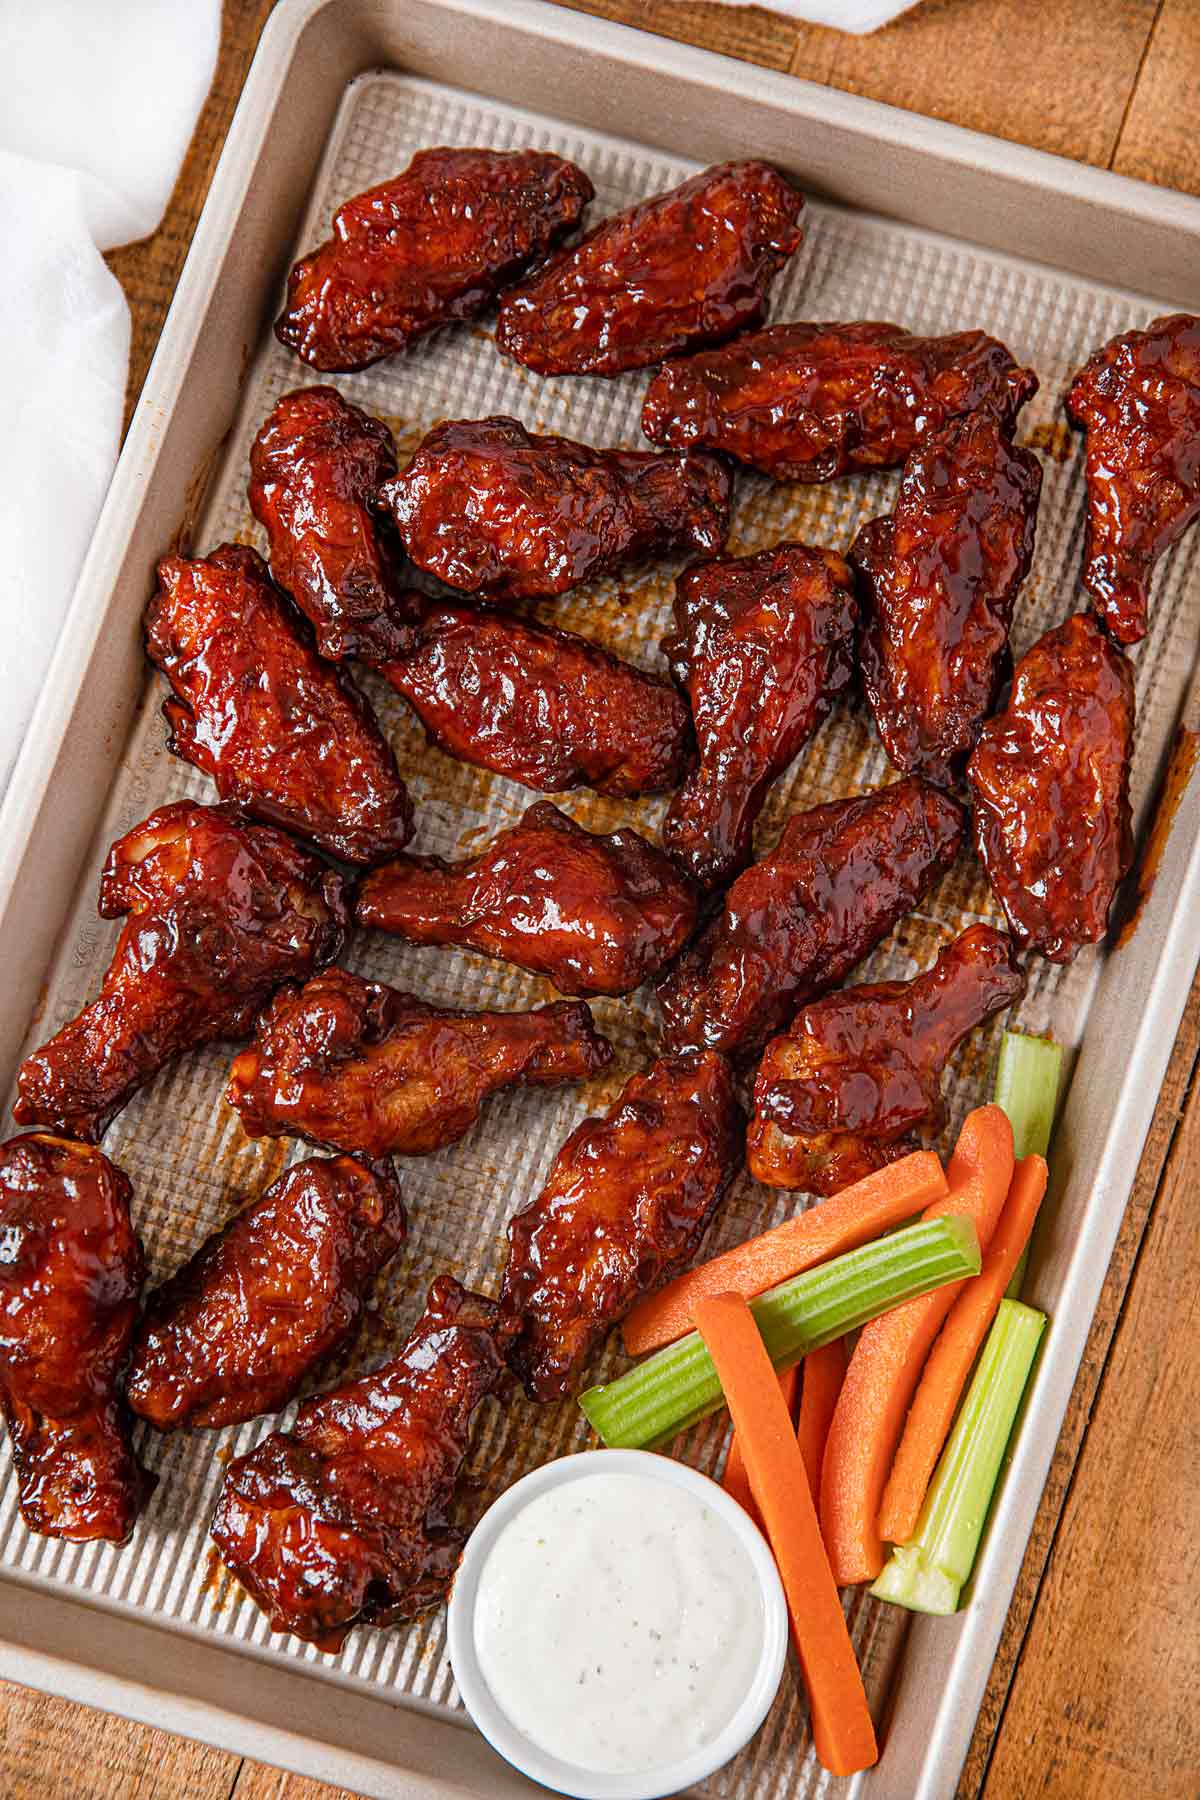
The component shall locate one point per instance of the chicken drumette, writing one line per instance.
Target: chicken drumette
(762, 647)
(490, 508)
(237, 1329)
(796, 923)
(221, 911)
(1138, 399)
(687, 268)
(940, 576)
(595, 914)
(1050, 782)
(432, 245)
(70, 1275)
(341, 1521)
(805, 402)
(357, 1066)
(858, 1074)
(623, 1209)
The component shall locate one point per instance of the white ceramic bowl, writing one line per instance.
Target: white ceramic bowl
(499, 1729)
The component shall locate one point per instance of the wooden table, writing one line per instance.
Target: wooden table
(1096, 1687)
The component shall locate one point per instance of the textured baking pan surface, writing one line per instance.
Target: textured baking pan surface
(184, 1149)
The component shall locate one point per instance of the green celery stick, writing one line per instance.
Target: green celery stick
(928, 1573)
(678, 1385)
(1027, 1078)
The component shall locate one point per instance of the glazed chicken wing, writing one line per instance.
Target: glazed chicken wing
(315, 469)
(1138, 399)
(687, 268)
(281, 732)
(1050, 782)
(939, 579)
(70, 1276)
(595, 914)
(220, 912)
(795, 924)
(624, 1208)
(356, 1066)
(806, 402)
(239, 1327)
(490, 508)
(434, 244)
(541, 706)
(762, 647)
(342, 1520)
(858, 1075)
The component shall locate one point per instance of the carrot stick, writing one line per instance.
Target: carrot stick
(952, 1357)
(890, 1354)
(843, 1734)
(824, 1372)
(734, 1479)
(862, 1211)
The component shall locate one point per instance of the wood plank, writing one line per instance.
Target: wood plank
(256, 1781)
(53, 1750)
(746, 32)
(1158, 140)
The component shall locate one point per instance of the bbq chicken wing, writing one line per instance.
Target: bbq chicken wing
(490, 508)
(594, 914)
(432, 245)
(762, 647)
(624, 1208)
(542, 706)
(795, 924)
(806, 402)
(687, 268)
(939, 580)
(239, 1327)
(858, 1075)
(220, 912)
(1050, 782)
(342, 1520)
(70, 1276)
(281, 732)
(315, 469)
(1138, 399)
(356, 1066)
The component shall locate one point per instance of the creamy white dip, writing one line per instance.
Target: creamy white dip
(618, 1622)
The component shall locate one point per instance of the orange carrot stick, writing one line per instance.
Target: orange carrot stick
(953, 1356)
(734, 1479)
(890, 1354)
(862, 1211)
(824, 1372)
(843, 1734)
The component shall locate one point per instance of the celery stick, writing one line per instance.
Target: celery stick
(927, 1574)
(678, 1385)
(1027, 1079)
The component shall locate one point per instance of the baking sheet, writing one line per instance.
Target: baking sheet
(184, 1150)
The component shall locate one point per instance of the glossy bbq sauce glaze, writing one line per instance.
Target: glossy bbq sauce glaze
(618, 1623)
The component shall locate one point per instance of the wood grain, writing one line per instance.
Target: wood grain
(1095, 1687)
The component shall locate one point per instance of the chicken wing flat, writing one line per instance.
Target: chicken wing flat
(1138, 399)
(281, 732)
(1050, 782)
(315, 469)
(795, 924)
(939, 580)
(806, 402)
(687, 268)
(595, 914)
(624, 1208)
(341, 1521)
(858, 1075)
(220, 912)
(490, 508)
(239, 1327)
(542, 706)
(762, 647)
(70, 1276)
(357, 1066)
(432, 245)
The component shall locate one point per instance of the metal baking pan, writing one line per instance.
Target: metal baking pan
(910, 219)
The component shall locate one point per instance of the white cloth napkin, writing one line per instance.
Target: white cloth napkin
(858, 16)
(98, 101)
